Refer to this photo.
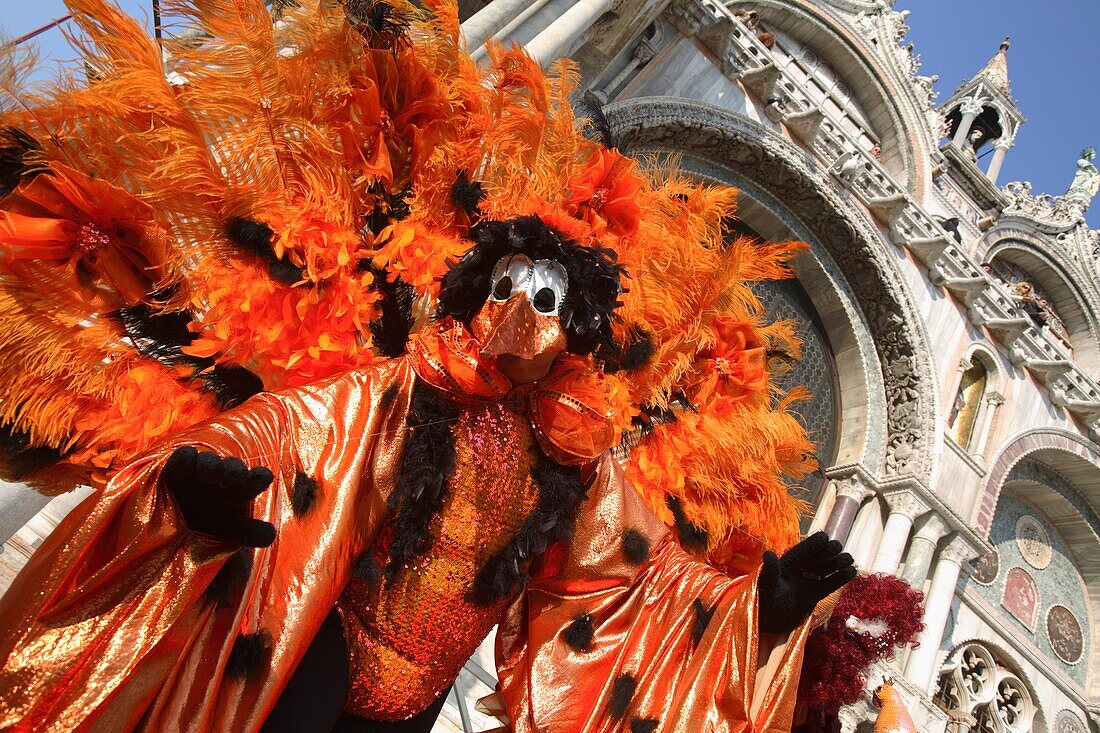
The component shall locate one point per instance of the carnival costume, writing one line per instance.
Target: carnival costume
(219, 259)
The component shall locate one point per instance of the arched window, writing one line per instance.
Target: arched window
(967, 405)
(977, 683)
(1032, 298)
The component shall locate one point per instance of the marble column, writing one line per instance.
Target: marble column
(850, 494)
(905, 507)
(969, 109)
(1000, 149)
(488, 21)
(558, 39)
(18, 504)
(922, 549)
(920, 667)
(642, 55)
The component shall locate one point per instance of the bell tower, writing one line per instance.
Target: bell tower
(982, 113)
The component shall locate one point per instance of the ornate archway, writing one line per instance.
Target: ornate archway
(777, 166)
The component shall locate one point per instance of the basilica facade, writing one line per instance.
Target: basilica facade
(951, 322)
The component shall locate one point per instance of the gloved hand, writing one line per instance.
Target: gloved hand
(214, 494)
(790, 586)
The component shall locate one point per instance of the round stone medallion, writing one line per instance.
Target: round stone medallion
(1068, 722)
(1033, 541)
(987, 567)
(1064, 632)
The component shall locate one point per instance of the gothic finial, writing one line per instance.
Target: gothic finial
(1005, 43)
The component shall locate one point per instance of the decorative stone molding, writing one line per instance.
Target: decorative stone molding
(780, 167)
(972, 105)
(907, 503)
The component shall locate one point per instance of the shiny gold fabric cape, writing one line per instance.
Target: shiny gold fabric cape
(734, 680)
(108, 627)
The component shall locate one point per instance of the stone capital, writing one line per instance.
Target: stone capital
(853, 488)
(971, 106)
(957, 550)
(1004, 143)
(933, 527)
(907, 503)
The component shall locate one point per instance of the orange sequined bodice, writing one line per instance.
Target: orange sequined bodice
(408, 640)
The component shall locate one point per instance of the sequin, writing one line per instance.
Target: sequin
(408, 641)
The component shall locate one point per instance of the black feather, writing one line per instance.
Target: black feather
(638, 352)
(467, 195)
(561, 491)
(593, 273)
(17, 150)
(380, 24)
(303, 494)
(635, 547)
(231, 578)
(622, 692)
(426, 468)
(692, 537)
(643, 725)
(700, 621)
(250, 654)
(366, 569)
(578, 634)
(600, 129)
(21, 458)
(391, 329)
(232, 385)
(255, 238)
(395, 207)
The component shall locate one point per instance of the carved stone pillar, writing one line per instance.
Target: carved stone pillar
(1000, 149)
(643, 54)
(557, 39)
(922, 549)
(18, 504)
(988, 416)
(905, 507)
(969, 109)
(851, 492)
(488, 21)
(937, 607)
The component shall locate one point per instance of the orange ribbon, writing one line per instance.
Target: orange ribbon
(91, 227)
(570, 408)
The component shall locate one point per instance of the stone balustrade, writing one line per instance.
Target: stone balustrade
(744, 58)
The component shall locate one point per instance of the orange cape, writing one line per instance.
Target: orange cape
(109, 628)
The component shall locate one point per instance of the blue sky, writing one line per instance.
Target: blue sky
(1052, 65)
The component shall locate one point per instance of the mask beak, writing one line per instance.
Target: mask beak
(515, 328)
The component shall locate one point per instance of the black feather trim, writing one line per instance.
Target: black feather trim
(600, 129)
(561, 491)
(643, 725)
(467, 195)
(394, 208)
(578, 634)
(250, 654)
(391, 329)
(622, 692)
(635, 547)
(16, 149)
(255, 237)
(380, 24)
(303, 494)
(692, 537)
(232, 385)
(640, 350)
(21, 458)
(367, 570)
(701, 620)
(231, 578)
(594, 278)
(426, 468)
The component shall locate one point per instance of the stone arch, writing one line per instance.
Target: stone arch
(1057, 274)
(773, 164)
(889, 102)
(1077, 462)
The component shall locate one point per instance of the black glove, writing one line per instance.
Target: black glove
(790, 586)
(214, 495)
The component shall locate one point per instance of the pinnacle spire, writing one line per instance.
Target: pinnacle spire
(996, 70)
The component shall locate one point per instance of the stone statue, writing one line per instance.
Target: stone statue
(1085, 181)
